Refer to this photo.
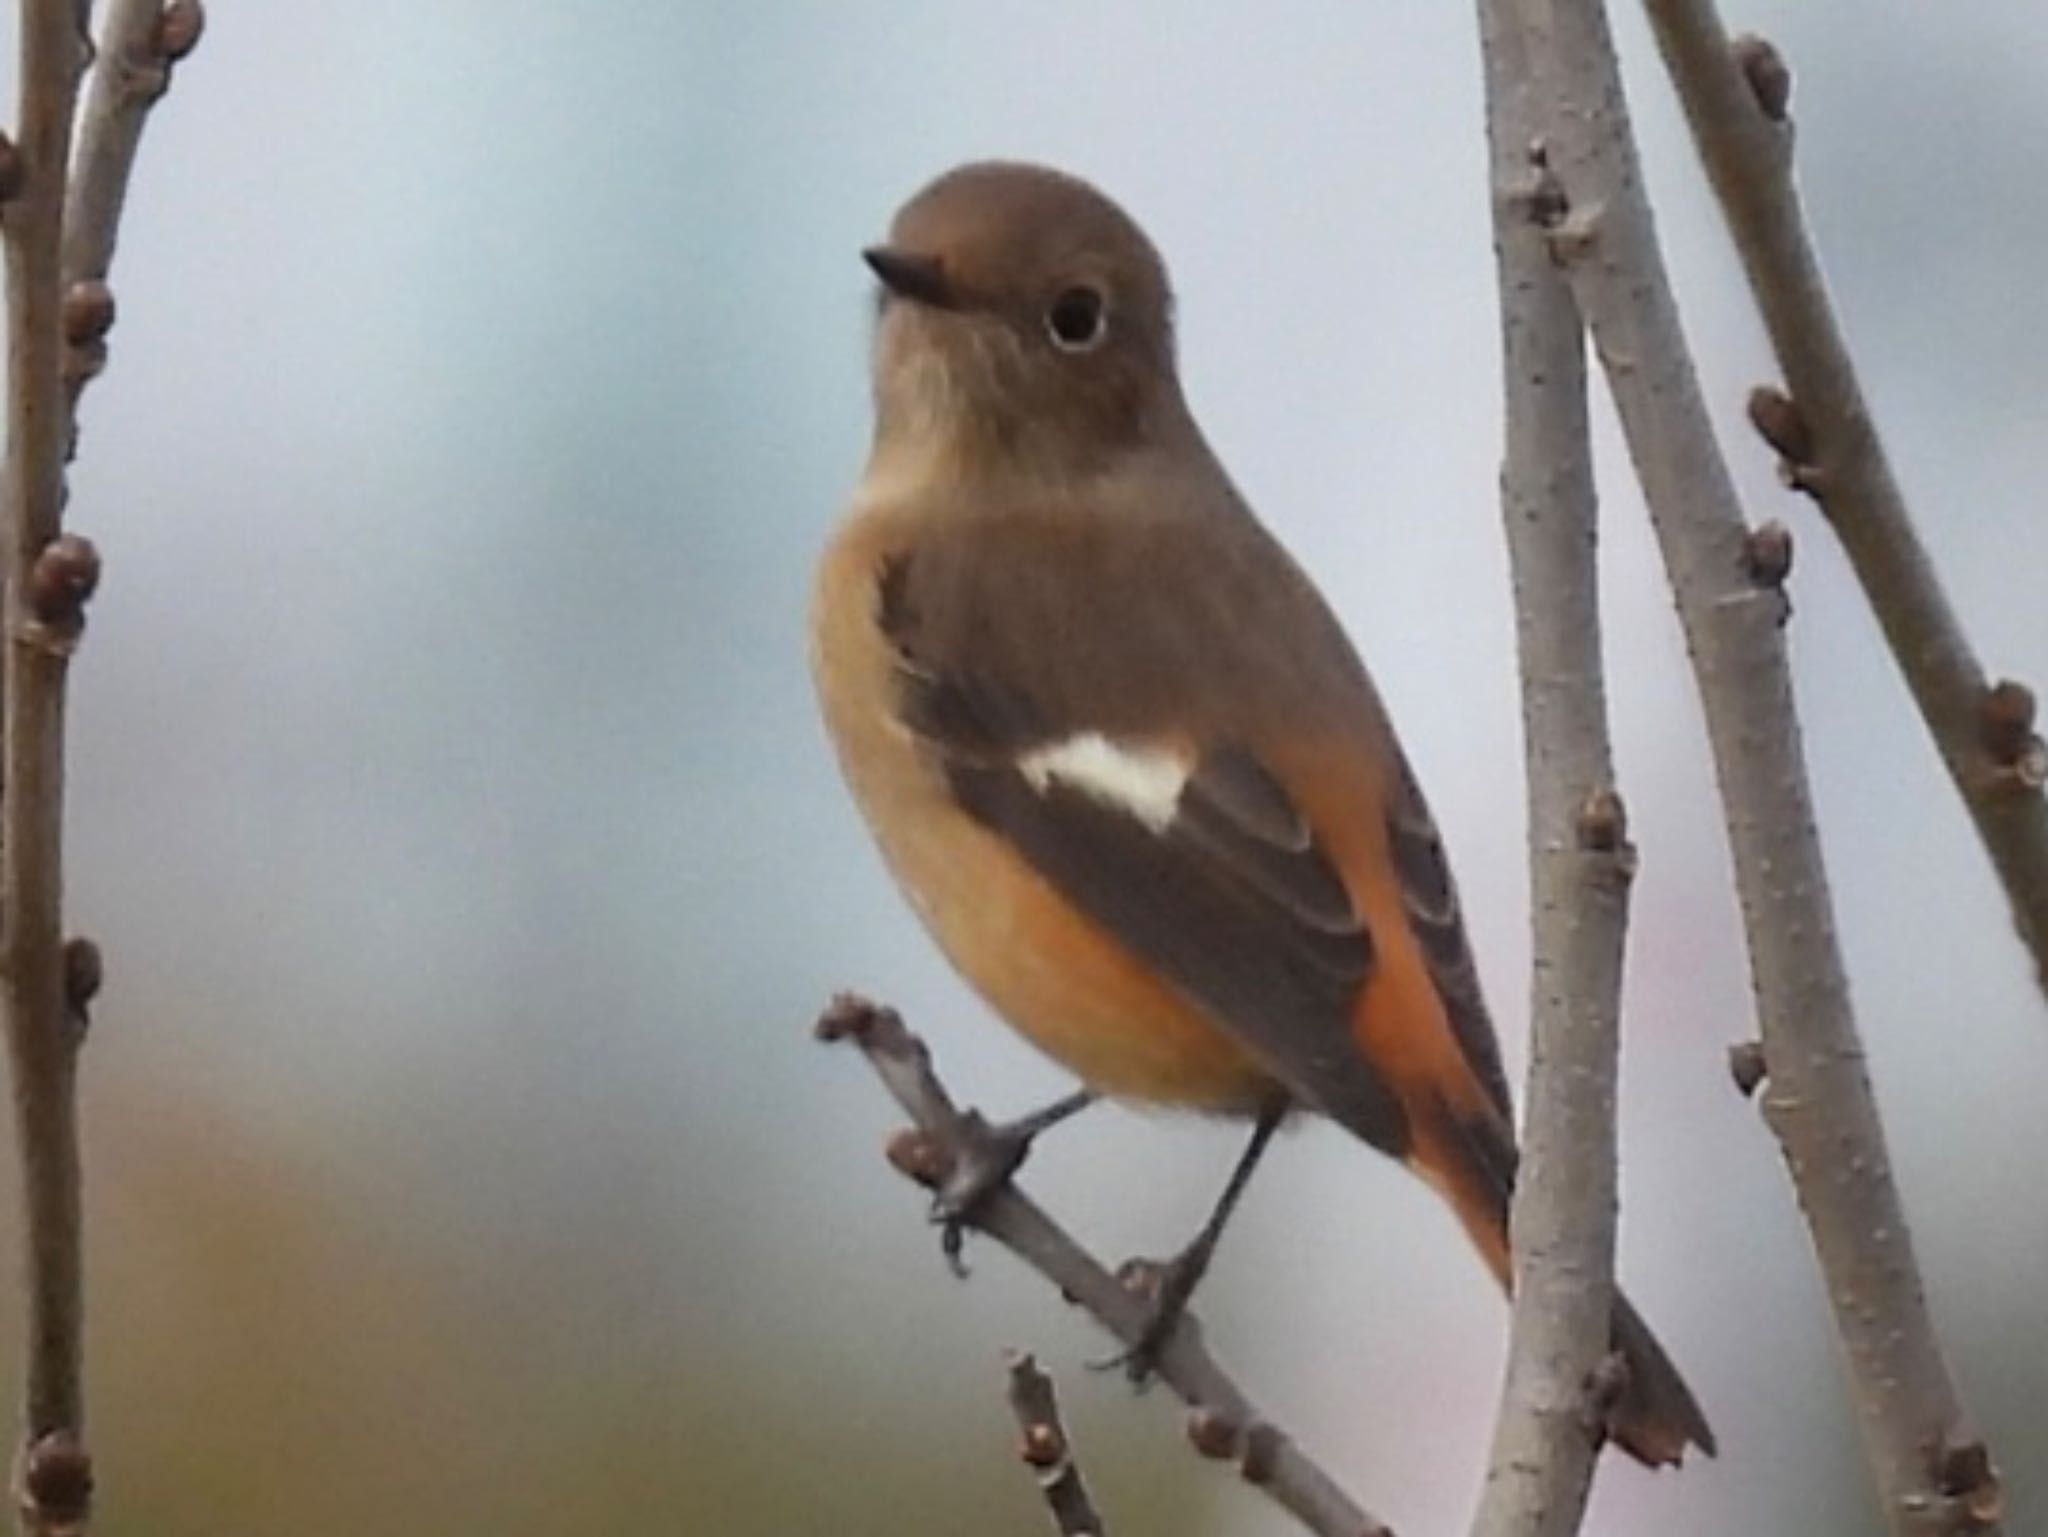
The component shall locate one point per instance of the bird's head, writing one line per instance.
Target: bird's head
(1024, 316)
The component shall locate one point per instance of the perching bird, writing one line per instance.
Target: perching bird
(1114, 745)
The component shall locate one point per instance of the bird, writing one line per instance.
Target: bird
(1118, 751)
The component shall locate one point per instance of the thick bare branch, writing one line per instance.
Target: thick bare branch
(1048, 1451)
(1736, 100)
(1818, 1100)
(1547, 1439)
(1225, 1425)
(47, 578)
(139, 42)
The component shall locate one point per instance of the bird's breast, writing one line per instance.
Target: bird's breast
(1055, 975)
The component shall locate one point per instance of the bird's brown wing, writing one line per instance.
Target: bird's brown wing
(1430, 898)
(1222, 888)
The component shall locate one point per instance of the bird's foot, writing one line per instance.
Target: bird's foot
(985, 1156)
(1166, 1288)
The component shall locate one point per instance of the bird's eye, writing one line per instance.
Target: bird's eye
(1077, 320)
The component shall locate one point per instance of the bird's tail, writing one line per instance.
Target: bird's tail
(1656, 1417)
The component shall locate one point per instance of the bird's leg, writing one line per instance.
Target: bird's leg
(1172, 1285)
(985, 1157)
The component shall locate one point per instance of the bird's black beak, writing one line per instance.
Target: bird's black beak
(909, 275)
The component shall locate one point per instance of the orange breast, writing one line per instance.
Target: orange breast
(1056, 977)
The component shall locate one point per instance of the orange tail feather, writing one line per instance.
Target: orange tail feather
(1656, 1417)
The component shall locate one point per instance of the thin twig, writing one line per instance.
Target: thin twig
(41, 622)
(1048, 1451)
(1226, 1425)
(1736, 103)
(1547, 1437)
(140, 40)
(1818, 1102)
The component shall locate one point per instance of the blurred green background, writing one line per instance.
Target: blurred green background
(448, 800)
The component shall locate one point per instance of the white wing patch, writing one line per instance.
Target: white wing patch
(1144, 782)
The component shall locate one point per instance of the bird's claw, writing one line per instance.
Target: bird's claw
(977, 1159)
(1166, 1287)
(984, 1157)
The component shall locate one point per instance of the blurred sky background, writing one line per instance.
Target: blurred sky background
(447, 796)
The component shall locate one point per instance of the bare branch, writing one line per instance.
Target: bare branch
(59, 309)
(1047, 1450)
(45, 579)
(1818, 1099)
(139, 42)
(1226, 1425)
(1736, 98)
(1548, 1434)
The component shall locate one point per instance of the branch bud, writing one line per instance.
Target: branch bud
(1603, 821)
(1746, 1065)
(1261, 1454)
(1213, 1434)
(84, 972)
(56, 1483)
(1780, 423)
(851, 1017)
(2005, 730)
(64, 576)
(1043, 1446)
(179, 29)
(88, 311)
(1970, 1479)
(1767, 554)
(918, 1156)
(1768, 75)
(2005, 721)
